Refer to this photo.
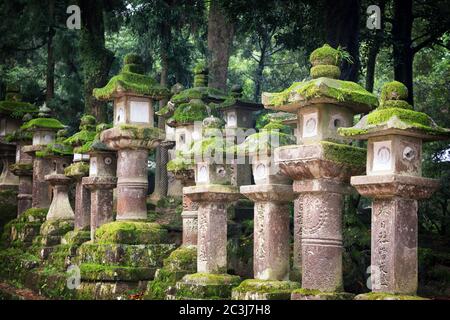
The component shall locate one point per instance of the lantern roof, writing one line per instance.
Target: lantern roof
(324, 87)
(13, 105)
(396, 116)
(131, 81)
(44, 121)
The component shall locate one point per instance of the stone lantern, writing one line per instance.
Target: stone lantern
(272, 195)
(101, 182)
(133, 134)
(214, 193)
(44, 130)
(23, 168)
(238, 115)
(394, 181)
(12, 109)
(80, 141)
(60, 216)
(321, 166)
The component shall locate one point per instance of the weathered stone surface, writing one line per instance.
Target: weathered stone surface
(41, 188)
(386, 296)
(264, 290)
(117, 290)
(60, 207)
(131, 232)
(271, 230)
(7, 179)
(296, 271)
(394, 185)
(190, 227)
(206, 286)
(101, 201)
(212, 225)
(82, 206)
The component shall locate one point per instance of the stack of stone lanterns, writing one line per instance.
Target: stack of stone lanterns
(44, 130)
(126, 253)
(272, 194)
(214, 193)
(79, 169)
(321, 165)
(394, 181)
(12, 109)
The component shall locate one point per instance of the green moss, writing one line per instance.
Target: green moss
(190, 112)
(395, 104)
(56, 227)
(349, 132)
(55, 149)
(183, 258)
(77, 169)
(143, 132)
(44, 123)
(132, 58)
(277, 125)
(328, 71)
(343, 91)
(21, 167)
(19, 135)
(76, 237)
(80, 138)
(344, 154)
(130, 232)
(325, 55)
(266, 286)
(387, 296)
(179, 164)
(99, 272)
(394, 90)
(265, 142)
(16, 109)
(202, 93)
(206, 148)
(131, 82)
(410, 116)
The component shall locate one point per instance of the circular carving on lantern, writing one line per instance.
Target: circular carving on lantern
(409, 153)
(221, 172)
(108, 161)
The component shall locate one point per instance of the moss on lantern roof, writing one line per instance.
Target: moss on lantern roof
(325, 55)
(44, 123)
(344, 154)
(130, 79)
(55, 149)
(394, 113)
(16, 109)
(95, 143)
(80, 138)
(343, 91)
(198, 93)
(272, 135)
(143, 132)
(195, 110)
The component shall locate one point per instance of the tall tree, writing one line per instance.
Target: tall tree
(342, 29)
(96, 59)
(220, 40)
(50, 78)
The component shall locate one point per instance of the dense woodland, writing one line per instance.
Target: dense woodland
(261, 45)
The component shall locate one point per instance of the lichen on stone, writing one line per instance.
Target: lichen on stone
(77, 169)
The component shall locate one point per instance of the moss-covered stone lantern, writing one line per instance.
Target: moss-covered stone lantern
(12, 110)
(214, 193)
(272, 195)
(80, 168)
(23, 167)
(44, 130)
(321, 165)
(394, 181)
(101, 180)
(133, 134)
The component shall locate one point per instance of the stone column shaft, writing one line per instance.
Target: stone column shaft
(7, 179)
(394, 246)
(60, 207)
(297, 254)
(271, 241)
(321, 205)
(41, 188)
(24, 198)
(132, 184)
(82, 206)
(212, 238)
(101, 208)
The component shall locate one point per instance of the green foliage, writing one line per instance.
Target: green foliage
(16, 109)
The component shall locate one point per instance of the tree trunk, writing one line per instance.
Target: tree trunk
(402, 47)
(96, 59)
(220, 38)
(342, 29)
(50, 76)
